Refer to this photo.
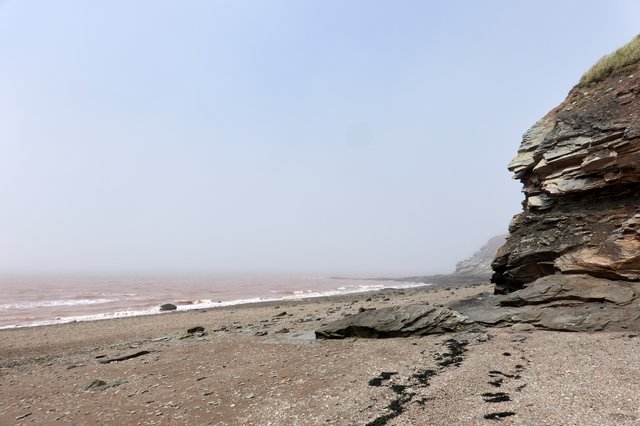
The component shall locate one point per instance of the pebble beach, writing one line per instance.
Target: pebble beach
(260, 364)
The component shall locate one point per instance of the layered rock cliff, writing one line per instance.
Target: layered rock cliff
(480, 263)
(572, 258)
(580, 170)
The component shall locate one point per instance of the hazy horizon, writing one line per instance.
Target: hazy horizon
(359, 138)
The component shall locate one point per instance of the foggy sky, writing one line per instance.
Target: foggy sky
(317, 137)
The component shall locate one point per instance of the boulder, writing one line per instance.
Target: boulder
(397, 321)
(168, 307)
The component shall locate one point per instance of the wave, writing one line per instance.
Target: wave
(51, 303)
(198, 304)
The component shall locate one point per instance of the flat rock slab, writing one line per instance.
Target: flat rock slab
(572, 287)
(123, 357)
(560, 302)
(397, 321)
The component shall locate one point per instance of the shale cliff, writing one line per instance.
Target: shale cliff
(580, 170)
(479, 264)
(572, 258)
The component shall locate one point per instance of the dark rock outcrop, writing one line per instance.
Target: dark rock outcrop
(168, 307)
(580, 170)
(560, 302)
(572, 258)
(397, 321)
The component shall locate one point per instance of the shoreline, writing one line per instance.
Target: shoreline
(93, 310)
(258, 364)
(168, 320)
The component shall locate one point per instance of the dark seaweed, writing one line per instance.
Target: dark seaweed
(420, 378)
(494, 373)
(377, 381)
(454, 356)
(499, 415)
(496, 397)
(423, 376)
(396, 406)
(398, 389)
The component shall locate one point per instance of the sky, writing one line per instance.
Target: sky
(335, 137)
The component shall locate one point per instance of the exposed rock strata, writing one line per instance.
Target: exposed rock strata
(396, 321)
(580, 170)
(572, 259)
(561, 302)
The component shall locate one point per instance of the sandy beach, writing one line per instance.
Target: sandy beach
(260, 365)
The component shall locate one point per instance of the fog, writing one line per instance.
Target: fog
(354, 138)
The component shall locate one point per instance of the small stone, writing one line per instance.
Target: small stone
(483, 337)
(521, 326)
(96, 384)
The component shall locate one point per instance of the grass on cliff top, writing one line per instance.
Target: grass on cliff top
(613, 62)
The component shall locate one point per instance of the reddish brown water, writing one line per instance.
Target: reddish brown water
(33, 300)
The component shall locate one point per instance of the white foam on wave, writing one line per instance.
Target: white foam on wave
(52, 303)
(207, 303)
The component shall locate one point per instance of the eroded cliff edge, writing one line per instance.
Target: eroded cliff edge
(572, 258)
(580, 170)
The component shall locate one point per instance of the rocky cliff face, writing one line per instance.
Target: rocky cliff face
(580, 170)
(572, 258)
(480, 263)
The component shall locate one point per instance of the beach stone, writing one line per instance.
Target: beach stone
(397, 321)
(196, 329)
(522, 327)
(168, 307)
(100, 385)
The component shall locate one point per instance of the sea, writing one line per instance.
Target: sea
(27, 301)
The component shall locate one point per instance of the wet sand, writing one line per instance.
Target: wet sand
(259, 365)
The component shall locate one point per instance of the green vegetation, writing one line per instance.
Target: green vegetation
(614, 62)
